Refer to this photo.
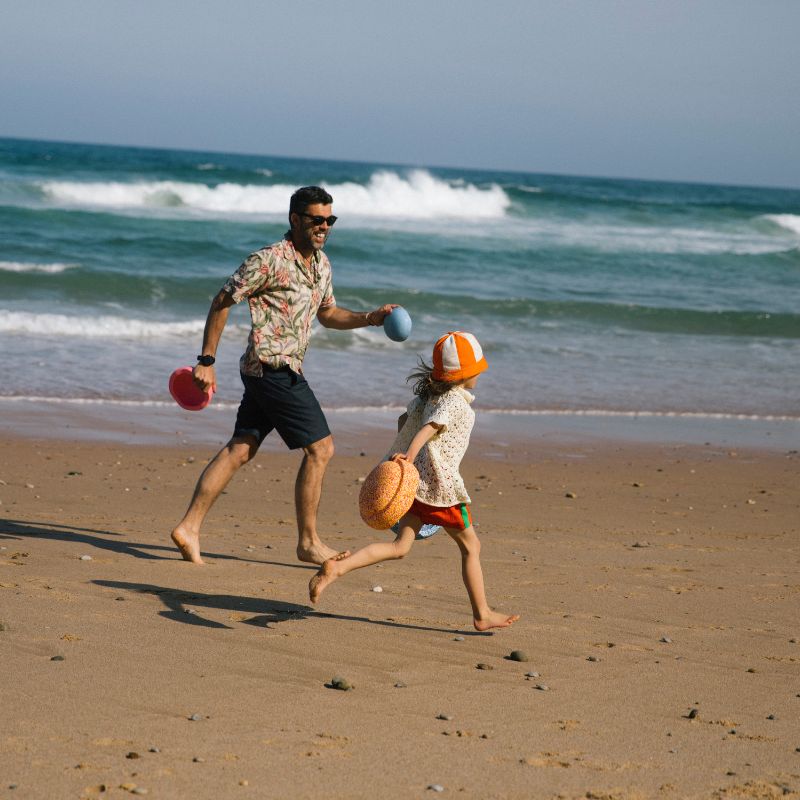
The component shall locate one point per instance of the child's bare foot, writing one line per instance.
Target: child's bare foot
(327, 574)
(188, 543)
(494, 619)
(318, 553)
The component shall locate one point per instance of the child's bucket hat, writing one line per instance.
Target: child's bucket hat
(457, 356)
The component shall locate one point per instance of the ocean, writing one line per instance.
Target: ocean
(591, 297)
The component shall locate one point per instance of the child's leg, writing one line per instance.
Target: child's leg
(483, 616)
(373, 553)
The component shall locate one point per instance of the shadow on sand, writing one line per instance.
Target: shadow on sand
(181, 606)
(20, 529)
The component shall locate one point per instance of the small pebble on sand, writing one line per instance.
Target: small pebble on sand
(458, 638)
(154, 750)
(531, 674)
(132, 754)
(665, 640)
(692, 713)
(445, 717)
(85, 558)
(377, 589)
(196, 717)
(342, 684)
(518, 655)
(571, 495)
(436, 787)
(483, 666)
(57, 658)
(542, 687)
(592, 658)
(401, 685)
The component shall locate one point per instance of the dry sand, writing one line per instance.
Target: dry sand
(658, 587)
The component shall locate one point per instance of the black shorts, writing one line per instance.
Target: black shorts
(281, 400)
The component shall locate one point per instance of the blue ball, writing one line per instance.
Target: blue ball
(397, 324)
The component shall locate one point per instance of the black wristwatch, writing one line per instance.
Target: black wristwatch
(206, 361)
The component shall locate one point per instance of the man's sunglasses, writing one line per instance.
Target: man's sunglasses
(318, 219)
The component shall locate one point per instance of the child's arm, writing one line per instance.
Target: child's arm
(424, 435)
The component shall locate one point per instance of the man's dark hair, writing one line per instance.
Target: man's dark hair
(308, 196)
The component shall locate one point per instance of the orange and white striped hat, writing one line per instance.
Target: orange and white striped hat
(457, 356)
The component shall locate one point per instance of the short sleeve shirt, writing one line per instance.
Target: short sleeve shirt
(284, 295)
(438, 462)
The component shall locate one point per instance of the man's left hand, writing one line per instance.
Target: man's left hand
(377, 316)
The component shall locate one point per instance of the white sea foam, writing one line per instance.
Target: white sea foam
(217, 405)
(613, 413)
(419, 195)
(23, 266)
(100, 327)
(414, 196)
(654, 239)
(393, 409)
(791, 222)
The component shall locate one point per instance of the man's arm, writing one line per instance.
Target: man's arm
(343, 319)
(215, 324)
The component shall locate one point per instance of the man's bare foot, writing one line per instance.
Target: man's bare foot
(319, 553)
(494, 619)
(189, 545)
(328, 573)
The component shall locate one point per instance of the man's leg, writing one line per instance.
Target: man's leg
(307, 492)
(215, 477)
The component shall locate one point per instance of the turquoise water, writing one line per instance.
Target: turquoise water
(588, 294)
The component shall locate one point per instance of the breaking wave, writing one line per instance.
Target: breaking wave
(413, 196)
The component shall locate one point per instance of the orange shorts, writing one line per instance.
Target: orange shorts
(457, 516)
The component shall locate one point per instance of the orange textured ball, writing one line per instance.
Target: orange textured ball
(388, 493)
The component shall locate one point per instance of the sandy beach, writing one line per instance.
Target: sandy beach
(657, 582)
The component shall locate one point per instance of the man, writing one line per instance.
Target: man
(286, 285)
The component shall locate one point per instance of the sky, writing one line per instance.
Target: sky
(695, 90)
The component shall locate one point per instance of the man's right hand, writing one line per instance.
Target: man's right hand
(205, 377)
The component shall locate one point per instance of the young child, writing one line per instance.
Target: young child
(434, 434)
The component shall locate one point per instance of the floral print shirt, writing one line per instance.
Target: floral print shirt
(284, 295)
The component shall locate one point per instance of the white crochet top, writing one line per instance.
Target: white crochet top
(438, 462)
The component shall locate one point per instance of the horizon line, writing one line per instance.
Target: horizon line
(401, 164)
